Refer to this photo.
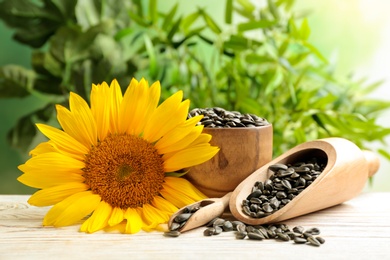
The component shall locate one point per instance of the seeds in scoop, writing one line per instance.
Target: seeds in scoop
(287, 182)
(174, 226)
(182, 217)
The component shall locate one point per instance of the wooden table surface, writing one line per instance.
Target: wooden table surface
(357, 229)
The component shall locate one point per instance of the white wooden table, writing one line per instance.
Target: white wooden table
(357, 229)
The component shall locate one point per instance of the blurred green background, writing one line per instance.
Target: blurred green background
(355, 33)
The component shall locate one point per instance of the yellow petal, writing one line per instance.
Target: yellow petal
(57, 161)
(100, 108)
(153, 217)
(45, 147)
(86, 122)
(133, 105)
(178, 201)
(179, 137)
(164, 205)
(43, 179)
(53, 195)
(134, 221)
(183, 186)
(70, 123)
(202, 138)
(117, 216)
(193, 155)
(115, 99)
(99, 218)
(72, 209)
(153, 98)
(171, 113)
(64, 141)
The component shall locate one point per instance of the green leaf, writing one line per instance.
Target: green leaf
(292, 28)
(244, 13)
(189, 20)
(274, 82)
(320, 123)
(15, 81)
(189, 35)
(254, 58)
(22, 134)
(34, 24)
(273, 9)
(247, 5)
(315, 51)
(139, 20)
(169, 17)
(45, 113)
(66, 8)
(255, 25)
(152, 56)
(384, 153)
(305, 30)
(237, 42)
(174, 29)
(210, 22)
(153, 11)
(228, 11)
(44, 63)
(283, 47)
(123, 33)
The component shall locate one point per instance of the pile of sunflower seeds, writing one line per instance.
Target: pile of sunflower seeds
(286, 182)
(279, 232)
(180, 220)
(217, 117)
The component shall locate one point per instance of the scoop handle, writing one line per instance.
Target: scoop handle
(372, 162)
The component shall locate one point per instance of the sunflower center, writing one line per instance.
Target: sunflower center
(125, 170)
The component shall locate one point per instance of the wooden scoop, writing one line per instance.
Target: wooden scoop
(209, 209)
(346, 172)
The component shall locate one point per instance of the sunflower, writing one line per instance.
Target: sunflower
(118, 161)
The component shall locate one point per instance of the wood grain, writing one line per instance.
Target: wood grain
(242, 151)
(356, 229)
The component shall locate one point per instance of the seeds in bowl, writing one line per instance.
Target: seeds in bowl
(217, 117)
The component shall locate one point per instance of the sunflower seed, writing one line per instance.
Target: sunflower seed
(320, 239)
(172, 233)
(300, 240)
(241, 235)
(255, 236)
(313, 241)
(209, 231)
(182, 217)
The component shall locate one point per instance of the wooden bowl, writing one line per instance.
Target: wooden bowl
(242, 151)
